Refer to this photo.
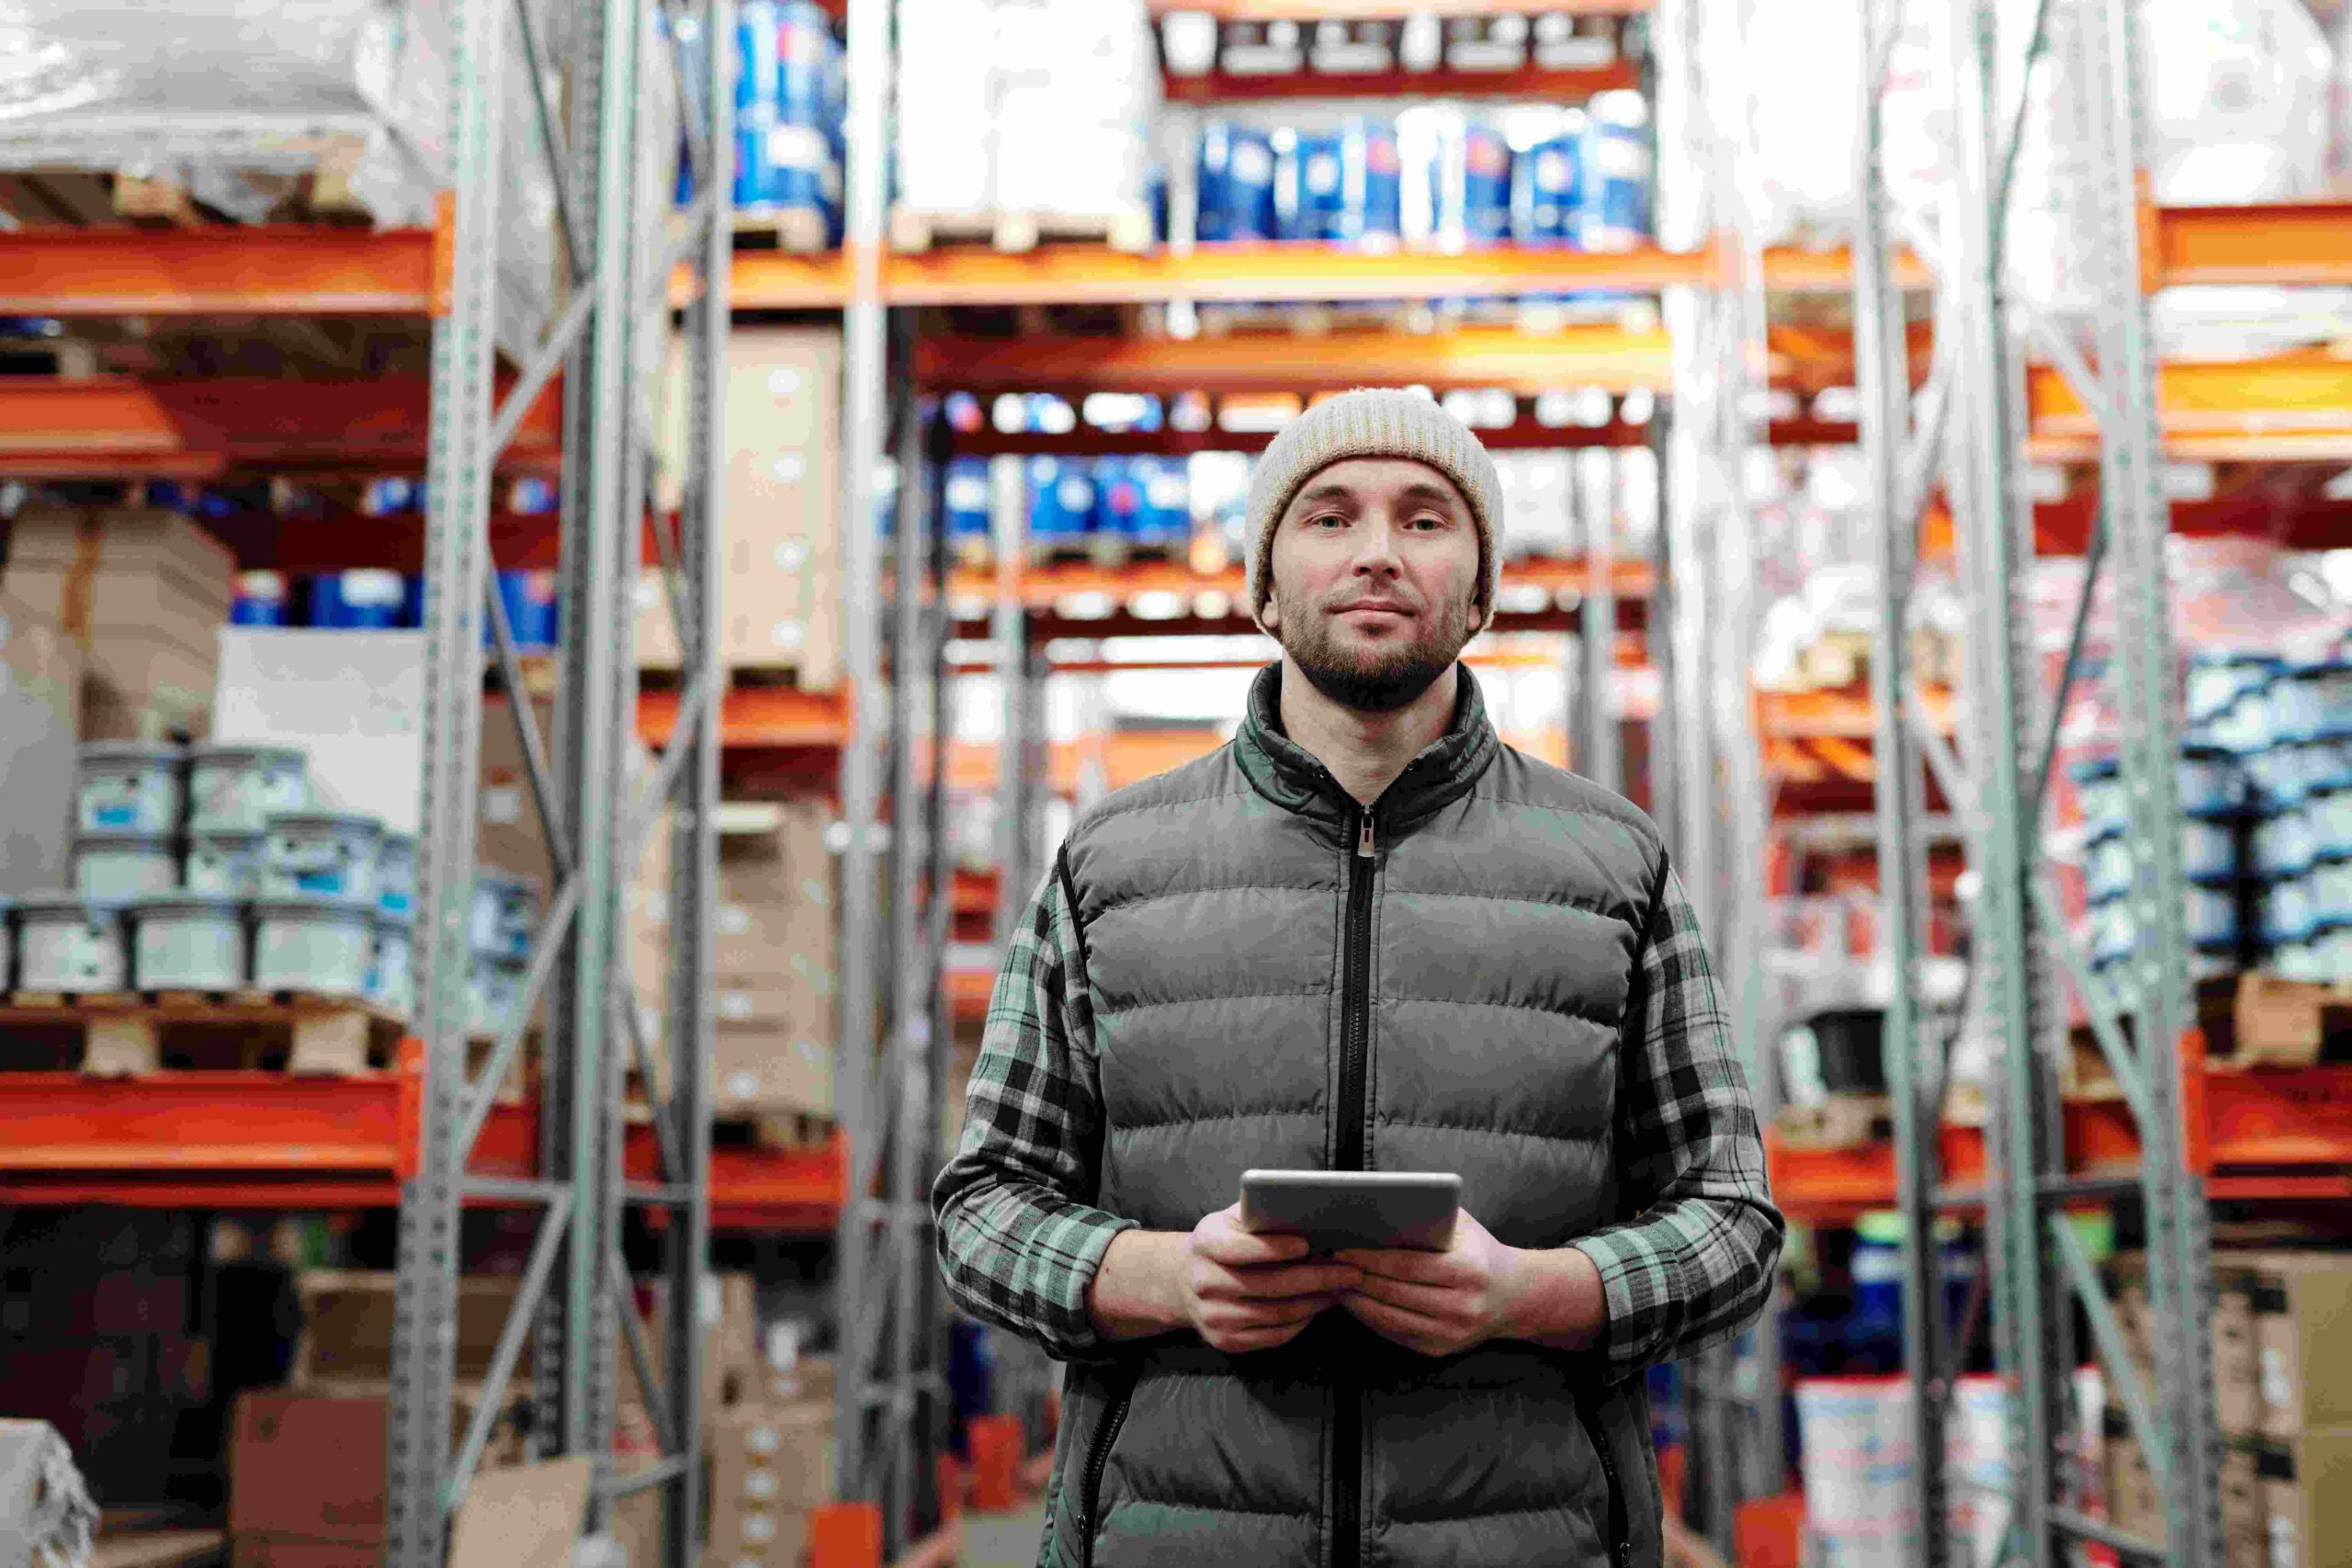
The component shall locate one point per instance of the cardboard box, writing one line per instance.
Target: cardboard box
(146, 594)
(759, 1068)
(2308, 1507)
(2245, 1518)
(655, 632)
(783, 500)
(293, 1552)
(507, 834)
(2303, 1323)
(347, 1326)
(354, 703)
(2134, 1503)
(2237, 1385)
(40, 730)
(729, 1316)
(312, 1467)
(768, 1468)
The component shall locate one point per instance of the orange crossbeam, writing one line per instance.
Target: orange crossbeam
(1608, 358)
(119, 426)
(1534, 83)
(2289, 408)
(1379, 10)
(2279, 244)
(280, 270)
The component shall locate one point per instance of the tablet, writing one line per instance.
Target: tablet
(1333, 1209)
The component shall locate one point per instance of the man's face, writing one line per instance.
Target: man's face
(1374, 567)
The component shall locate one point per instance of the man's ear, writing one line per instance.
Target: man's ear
(1268, 617)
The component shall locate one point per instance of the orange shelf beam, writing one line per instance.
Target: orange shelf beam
(1533, 84)
(1614, 358)
(276, 1140)
(1381, 10)
(1844, 715)
(762, 717)
(116, 426)
(2287, 409)
(2265, 1134)
(2279, 243)
(281, 270)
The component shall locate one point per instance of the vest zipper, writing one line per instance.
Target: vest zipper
(1621, 1551)
(1347, 1424)
(1112, 1419)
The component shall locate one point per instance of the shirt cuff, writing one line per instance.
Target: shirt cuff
(1078, 1241)
(1637, 1282)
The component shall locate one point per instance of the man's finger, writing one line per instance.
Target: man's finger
(1296, 1280)
(1409, 1329)
(1403, 1263)
(1247, 1248)
(1437, 1302)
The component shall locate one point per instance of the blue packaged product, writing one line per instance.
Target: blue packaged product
(530, 601)
(804, 60)
(383, 497)
(1118, 498)
(358, 601)
(2283, 843)
(1547, 191)
(1470, 182)
(966, 494)
(1237, 183)
(1310, 195)
(2211, 783)
(1375, 214)
(1061, 499)
(1167, 501)
(261, 600)
(1615, 197)
(758, 30)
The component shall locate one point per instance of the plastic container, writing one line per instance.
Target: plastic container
(2209, 848)
(67, 942)
(2211, 782)
(321, 943)
(2287, 912)
(2330, 885)
(2283, 843)
(223, 864)
(391, 972)
(238, 788)
(2331, 954)
(1615, 211)
(1469, 182)
(1858, 1460)
(1118, 498)
(396, 874)
(125, 865)
(2218, 679)
(2329, 814)
(260, 601)
(2312, 700)
(1237, 183)
(367, 599)
(1167, 516)
(1548, 190)
(188, 941)
(503, 912)
(1061, 500)
(130, 786)
(966, 493)
(2210, 917)
(320, 851)
(494, 990)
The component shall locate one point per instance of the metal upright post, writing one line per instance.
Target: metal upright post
(860, 1295)
(1016, 814)
(929, 1305)
(909, 1042)
(1995, 532)
(2154, 985)
(457, 572)
(1593, 492)
(694, 829)
(1882, 385)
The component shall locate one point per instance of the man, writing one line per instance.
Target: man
(1364, 935)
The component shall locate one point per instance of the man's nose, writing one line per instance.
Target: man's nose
(1376, 548)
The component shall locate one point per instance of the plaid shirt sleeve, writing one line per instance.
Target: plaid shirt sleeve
(1019, 1241)
(1694, 1264)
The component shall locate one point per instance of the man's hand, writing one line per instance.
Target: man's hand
(1442, 1303)
(1247, 1291)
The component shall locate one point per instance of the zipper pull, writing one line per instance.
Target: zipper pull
(1363, 834)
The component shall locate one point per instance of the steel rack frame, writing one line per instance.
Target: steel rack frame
(2040, 1269)
(598, 812)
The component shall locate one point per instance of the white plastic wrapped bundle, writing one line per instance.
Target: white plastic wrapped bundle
(1024, 106)
(2238, 96)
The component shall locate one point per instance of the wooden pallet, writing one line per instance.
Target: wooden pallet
(1016, 233)
(118, 1034)
(1842, 1121)
(158, 1548)
(799, 231)
(80, 198)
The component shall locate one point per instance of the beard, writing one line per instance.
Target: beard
(1377, 679)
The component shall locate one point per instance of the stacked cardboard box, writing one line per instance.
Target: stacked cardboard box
(780, 606)
(769, 1466)
(145, 593)
(40, 727)
(2282, 1390)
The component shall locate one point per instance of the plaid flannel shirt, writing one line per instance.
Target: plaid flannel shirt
(1018, 1243)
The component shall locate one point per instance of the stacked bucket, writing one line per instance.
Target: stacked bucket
(211, 868)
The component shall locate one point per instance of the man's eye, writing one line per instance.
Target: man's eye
(1326, 517)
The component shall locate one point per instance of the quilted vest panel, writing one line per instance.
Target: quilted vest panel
(1505, 909)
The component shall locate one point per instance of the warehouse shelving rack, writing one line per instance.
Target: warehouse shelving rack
(575, 1295)
(2175, 1128)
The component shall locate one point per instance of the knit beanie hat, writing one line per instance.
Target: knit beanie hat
(1371, 422)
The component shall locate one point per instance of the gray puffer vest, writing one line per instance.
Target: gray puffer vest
(1282, 978)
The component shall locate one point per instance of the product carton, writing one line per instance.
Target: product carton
(2308, 1508)
(312, 1467)
(2303, 1307)
(768, 1468)
(763, 1068)
(782, 528)
(40, 685)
